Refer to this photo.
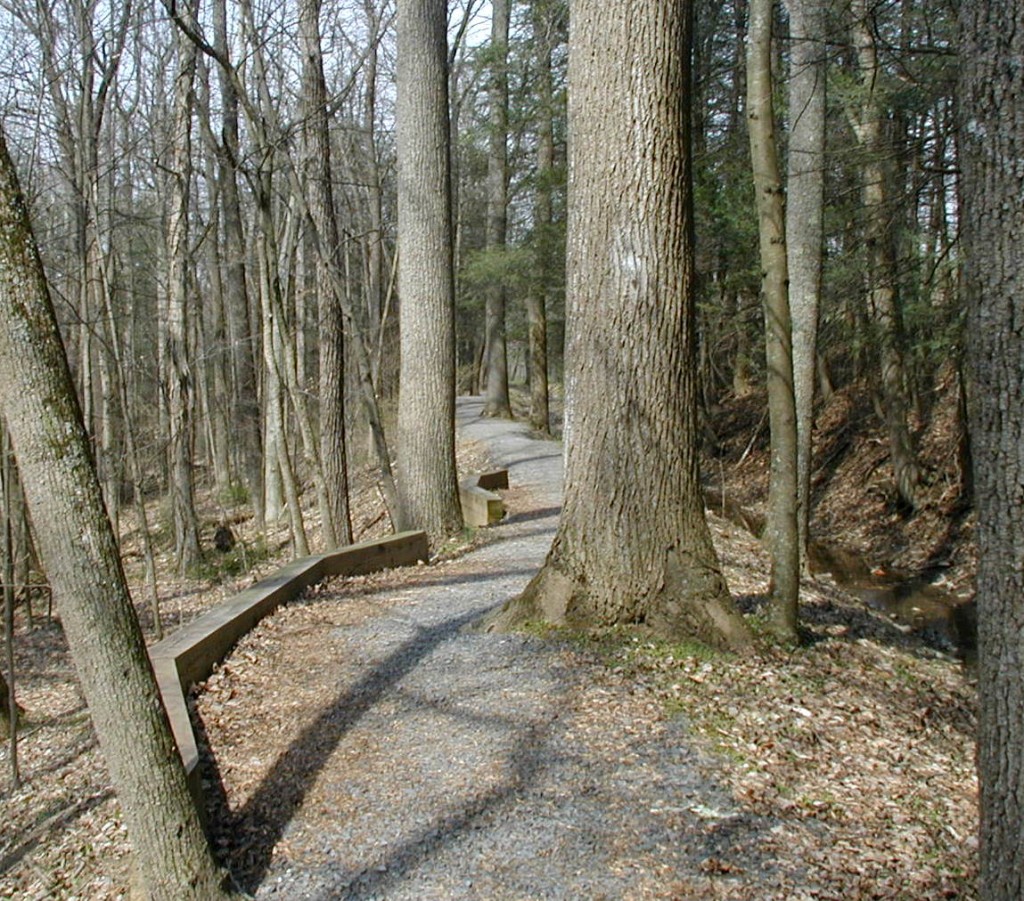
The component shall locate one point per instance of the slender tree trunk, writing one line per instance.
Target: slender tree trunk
(781, 527)
(992, 147)
(337, 523)
(496, 355)
(536, 300)
(805, 183)
(179, 379)
(241, 330)
(82, 562)
(426, 402)
(881, 263)
(632, 544)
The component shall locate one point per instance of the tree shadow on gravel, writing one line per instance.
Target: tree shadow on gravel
(246, 838)
(525, 760)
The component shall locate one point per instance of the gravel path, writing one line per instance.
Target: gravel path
(446, 763)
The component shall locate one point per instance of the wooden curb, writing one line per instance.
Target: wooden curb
(189, 655)
(480, 505)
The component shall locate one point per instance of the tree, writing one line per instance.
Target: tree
(781, 526)
(335, 519)
(883, 299)
(495, 345)
(178, 377)
(426, 401)
(80, 554)
(992, 134)
(805, 187)
(632, 544)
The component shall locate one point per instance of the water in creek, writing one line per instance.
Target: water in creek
(942, 619)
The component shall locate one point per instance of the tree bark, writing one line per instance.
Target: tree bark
(536, 301)
(178, 377)
(496, 353)
(805, 184)
(992, 136)
(240, 328)
(781, 536)
(632, 544)
(81, 559)
(881, 263)
(426, 404)
(337, 524)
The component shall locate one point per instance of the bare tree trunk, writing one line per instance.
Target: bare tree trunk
(496, 354)
(781, 528)
(992, 141)
(337, 522)
(623, 555)
(536, 300)
(242, 332)
(178, 378)
(881, 264)
(82, 562)
(426, 401)
(805, 183)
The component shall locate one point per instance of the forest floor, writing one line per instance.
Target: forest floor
(368, 746)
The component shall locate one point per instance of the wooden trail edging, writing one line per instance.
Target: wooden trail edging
(480, 505)
(189, 655)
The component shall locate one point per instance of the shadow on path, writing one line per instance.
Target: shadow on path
(249, 836)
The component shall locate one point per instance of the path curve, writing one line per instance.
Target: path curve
(448, 763)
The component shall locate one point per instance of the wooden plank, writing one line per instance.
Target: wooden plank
(494, 480)
(190, 654)
(479, 506)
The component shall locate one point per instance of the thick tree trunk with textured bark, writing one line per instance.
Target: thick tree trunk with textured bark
(992, 135)
(426, 404)
(497, 400)
(781, 526)
(81, 559)
(805, 188)
(632, 544)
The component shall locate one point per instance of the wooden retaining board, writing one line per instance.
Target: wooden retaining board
(189, 655)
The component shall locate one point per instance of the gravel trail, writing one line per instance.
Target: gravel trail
(447, 763)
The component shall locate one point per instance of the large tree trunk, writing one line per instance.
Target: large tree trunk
(992, 135)
(632, 544)
(426, 403)
(881, 263)
(496, 352)
(781, 526)
(805, 183)
(81, 559)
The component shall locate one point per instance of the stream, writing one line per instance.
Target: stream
(943, 620)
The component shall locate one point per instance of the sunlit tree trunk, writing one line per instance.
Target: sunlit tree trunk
(178, 378)
(81, 558)
(536, 300)
(781, 526)
(336, 522)
(632, 544)
(805, 185)
(496, 353)
(426, 403)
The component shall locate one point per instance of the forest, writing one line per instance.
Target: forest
(754, 264)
